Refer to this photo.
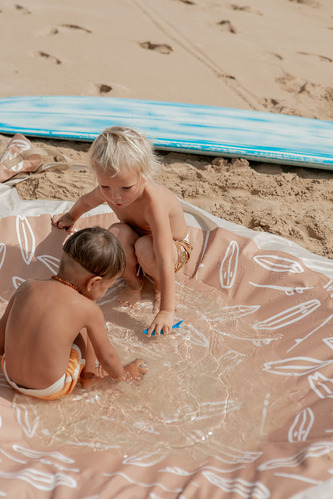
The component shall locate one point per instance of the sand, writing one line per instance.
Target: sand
(264, 55)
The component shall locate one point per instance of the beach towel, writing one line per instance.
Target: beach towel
(21, 158)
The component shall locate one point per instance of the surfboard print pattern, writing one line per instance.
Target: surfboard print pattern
(181, 127)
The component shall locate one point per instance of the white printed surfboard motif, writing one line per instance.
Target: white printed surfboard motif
(42, 481)
(2, 254)
(322, 386)
(26, 238)
(278, 264)
(316, 449)
(27, 418)
(288, 290)
(329, 287)
(50, 262)
(238, 486)
(17, 281)
(229, 265)
(296, 366)
(316, 329)
(301, 426)
(288, 317)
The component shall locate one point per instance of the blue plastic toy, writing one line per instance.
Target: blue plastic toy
(176, 325)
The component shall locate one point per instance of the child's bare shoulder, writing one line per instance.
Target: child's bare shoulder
(27, 286)
(161, 195)
(88, 305)
(91, 314)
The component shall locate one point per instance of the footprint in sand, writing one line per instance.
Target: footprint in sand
(22, 9)
(75, 27)
(311, 3)
(274, 106)
(245, 8)
(100, 89)
(303, 89)
(162, 48)
(47, 30)
(103, 88)
(322, 58)
(44, 55)
(275, 54)
(294, 85)
(227, 26)
(315, 231)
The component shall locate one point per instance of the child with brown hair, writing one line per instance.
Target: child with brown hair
(151, 227)
(52, 330)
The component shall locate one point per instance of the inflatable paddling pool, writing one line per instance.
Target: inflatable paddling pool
(237, 401)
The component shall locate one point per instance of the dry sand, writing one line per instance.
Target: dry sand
(267, 55)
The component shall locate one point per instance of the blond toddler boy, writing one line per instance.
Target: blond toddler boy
(151, 228)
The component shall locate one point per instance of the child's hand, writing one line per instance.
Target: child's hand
(162, 323)
(63, 221)
(135, 370)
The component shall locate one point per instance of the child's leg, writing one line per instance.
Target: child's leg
(91, 374)
(145, 254)
(87, 351)
(128, 237)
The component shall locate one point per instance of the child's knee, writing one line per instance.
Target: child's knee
(144, 249)
(117, 228)
(123, 232)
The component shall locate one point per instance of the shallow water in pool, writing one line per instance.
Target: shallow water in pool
(197, 397)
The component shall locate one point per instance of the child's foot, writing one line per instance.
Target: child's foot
(130, 295)
(157, 302)
(89, 380)
(93, 379)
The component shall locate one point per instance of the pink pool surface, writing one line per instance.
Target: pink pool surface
(237, 402)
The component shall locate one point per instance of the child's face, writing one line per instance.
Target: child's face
(121, 190)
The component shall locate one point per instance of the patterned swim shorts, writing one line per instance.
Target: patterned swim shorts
(184, 249)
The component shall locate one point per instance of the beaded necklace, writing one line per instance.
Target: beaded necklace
(55, 277)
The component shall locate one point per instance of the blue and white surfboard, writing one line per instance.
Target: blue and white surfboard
(189, 128)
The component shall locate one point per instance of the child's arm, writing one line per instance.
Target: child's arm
(163, 250)
(108, 356)
(84, 204)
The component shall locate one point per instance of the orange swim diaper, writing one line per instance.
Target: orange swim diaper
(62, 387)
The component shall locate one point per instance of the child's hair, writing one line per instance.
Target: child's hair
(96, 250)
(121, 147)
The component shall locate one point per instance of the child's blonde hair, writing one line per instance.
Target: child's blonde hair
(117, 148)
